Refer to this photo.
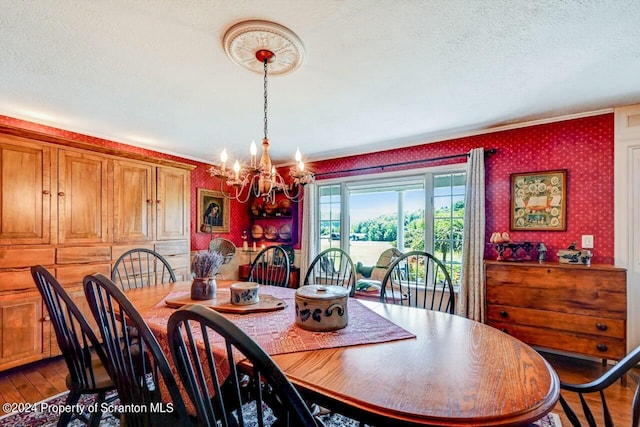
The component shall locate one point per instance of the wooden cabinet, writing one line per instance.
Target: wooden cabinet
(133, 201)
(75, 208)
(25, 192)
(571, 308)
(150, 202)
(82, 197)
(21, 329)
(172, 202)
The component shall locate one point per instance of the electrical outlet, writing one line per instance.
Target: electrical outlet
(587, 241)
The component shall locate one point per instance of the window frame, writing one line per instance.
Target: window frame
(426, 175)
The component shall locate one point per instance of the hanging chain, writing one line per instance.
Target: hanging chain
(265, 98)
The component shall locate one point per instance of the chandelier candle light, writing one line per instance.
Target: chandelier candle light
(261, 179)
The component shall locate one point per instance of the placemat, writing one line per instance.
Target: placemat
(277, 333)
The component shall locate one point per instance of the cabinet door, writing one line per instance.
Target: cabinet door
(82, 198)
(25, 196)
(172, 200)
(132, 201)
(21, 332)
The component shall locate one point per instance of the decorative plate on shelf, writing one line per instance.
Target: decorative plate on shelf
(256, 231)
(285, 232)
(271, 233)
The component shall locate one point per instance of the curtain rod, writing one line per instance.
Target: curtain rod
(412, 162)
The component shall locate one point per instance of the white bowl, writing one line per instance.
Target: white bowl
(244, 293)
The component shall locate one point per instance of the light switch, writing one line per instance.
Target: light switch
(587, 241)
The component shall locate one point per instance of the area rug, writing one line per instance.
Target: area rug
(49, 418)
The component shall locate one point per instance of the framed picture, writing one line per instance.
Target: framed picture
(213, 212)
(539, 200)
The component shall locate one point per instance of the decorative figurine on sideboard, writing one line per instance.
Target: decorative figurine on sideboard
(512, 251)
(542, 252)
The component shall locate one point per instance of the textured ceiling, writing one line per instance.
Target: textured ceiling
(376, 74)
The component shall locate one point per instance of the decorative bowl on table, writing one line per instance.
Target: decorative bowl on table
(244, 293)
(321, 308)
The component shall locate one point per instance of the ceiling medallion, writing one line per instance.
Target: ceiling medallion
(245, 38)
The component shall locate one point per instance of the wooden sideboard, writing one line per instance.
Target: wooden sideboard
(75, 208)
(572, 308)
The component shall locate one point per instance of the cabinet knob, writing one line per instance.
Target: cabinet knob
(602, 347)
(46, 318)
(602, 326)
(158, 201)
(61, 193)
(149, 201)
(503, 313)
(46, 192)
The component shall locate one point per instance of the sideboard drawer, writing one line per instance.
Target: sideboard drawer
(590, 345)
(579, 324)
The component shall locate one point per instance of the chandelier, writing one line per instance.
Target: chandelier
(261, 179)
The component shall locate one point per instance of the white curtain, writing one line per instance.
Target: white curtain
(472, 293)
(308, 245)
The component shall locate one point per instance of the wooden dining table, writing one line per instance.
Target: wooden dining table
(449, 371)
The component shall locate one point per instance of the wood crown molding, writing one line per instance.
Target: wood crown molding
(58, 140)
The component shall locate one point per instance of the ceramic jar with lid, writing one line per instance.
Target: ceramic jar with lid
(321, 308)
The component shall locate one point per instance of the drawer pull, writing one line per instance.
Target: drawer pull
(601, 326)
(503, 313)
(602, 347)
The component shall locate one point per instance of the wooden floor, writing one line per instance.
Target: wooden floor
(40, 380)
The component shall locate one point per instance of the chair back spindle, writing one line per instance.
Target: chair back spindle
(332, 266)
(599, 385)
(141, 267)
(418, 279)
(249, 384)
(80, 348)
(136, 362)
(271, 267)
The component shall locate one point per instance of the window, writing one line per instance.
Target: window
(424, 212)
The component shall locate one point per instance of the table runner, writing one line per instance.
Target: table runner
(277, 333)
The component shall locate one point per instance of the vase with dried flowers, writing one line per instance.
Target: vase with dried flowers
(204, 267)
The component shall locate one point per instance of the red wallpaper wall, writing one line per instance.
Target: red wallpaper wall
(582, 146)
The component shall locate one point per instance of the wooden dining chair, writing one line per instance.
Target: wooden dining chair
(203, 343)
(332, 266)
(599, 386)
(418, 279)
(141, 267)
(271, 267)
(79, 346)
(224, 247)
(137, 365)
